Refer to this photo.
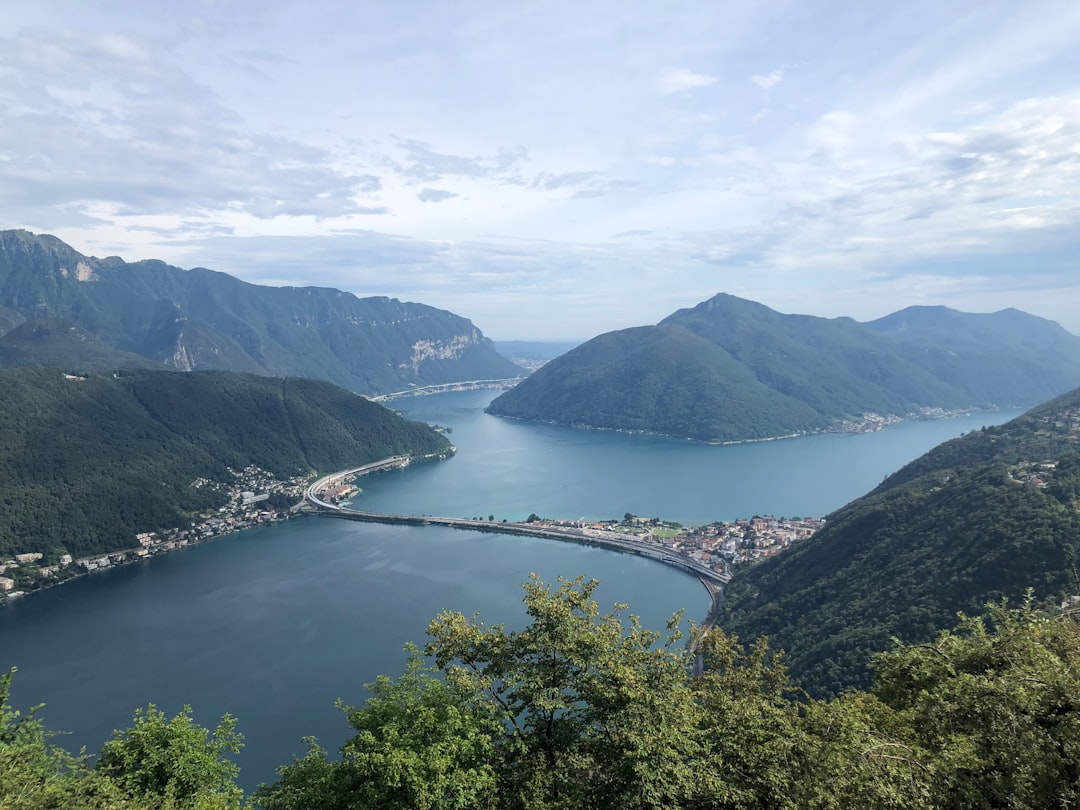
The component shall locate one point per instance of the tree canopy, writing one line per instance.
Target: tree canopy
(583, 709)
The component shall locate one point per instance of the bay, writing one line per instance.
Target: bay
(275, 623)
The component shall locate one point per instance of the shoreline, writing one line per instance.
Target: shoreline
(871, 423)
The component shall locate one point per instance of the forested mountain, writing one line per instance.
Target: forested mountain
(976, 519)
(201, 319)
(730, 369)
(86, 462)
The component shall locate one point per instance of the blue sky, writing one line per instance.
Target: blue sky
(555, 170)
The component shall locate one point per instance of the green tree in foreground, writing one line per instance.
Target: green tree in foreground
(33, 773)
(174, 763)
(995, 706)
(420, 743)
(587, 710)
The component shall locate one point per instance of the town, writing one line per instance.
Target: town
(254, 497)
(717, 545)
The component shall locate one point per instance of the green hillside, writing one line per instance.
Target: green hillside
(88, 461)
(979, 518)
(201, 319)
(730, 369)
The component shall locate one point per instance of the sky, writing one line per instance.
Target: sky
(556, 170)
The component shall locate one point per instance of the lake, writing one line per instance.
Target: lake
(275, 623)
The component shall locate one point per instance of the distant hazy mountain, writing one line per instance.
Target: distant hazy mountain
(531, 354)
(202, 319)
(978, 518)
(88, 461)
(730, 369)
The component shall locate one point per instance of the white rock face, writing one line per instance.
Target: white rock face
(440, 350)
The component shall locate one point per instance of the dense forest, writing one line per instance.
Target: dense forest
(979, 518)
(581, 710)
(87, 461)
(730, 369)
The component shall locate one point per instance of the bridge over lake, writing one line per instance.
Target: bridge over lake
(714, 581)
(464, 385)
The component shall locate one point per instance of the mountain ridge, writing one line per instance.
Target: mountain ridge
(762, 374)
(205, 319)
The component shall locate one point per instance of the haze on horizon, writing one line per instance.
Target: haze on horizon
(562, 169)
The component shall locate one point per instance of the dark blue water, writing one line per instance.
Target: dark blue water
(274, 624)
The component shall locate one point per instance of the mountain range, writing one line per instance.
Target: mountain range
(730, 369)
(59, 307)
(982, 517)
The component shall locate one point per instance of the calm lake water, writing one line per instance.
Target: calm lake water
(276, 623)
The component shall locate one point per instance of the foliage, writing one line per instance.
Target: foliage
(156, 764)
(86, 463)
(595, 711)
(33, 773)
(994, 706)
(174, 763)
(730, 369)
(420, 743)
(583, 710)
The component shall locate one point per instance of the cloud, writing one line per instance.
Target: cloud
(99, 122)
(434, 195)
(767, 81)
(678, 80)
(550, 182)
(421, 162)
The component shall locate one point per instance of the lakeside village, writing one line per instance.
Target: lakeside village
(257, 497)
(719, 545)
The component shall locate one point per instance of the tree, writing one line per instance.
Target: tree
(421, 744)
(597, 711)
(174, 763)
(995, 704)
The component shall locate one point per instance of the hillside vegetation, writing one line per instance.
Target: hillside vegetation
(977, 519)
(88, 314)
(731, 370)
(88, 461)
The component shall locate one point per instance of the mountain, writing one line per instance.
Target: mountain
(86, 462)
(976, 519)
(201, 319)
(730, 369)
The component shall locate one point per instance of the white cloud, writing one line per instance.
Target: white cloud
(435, 195)
(678, 80)
(767, 81)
